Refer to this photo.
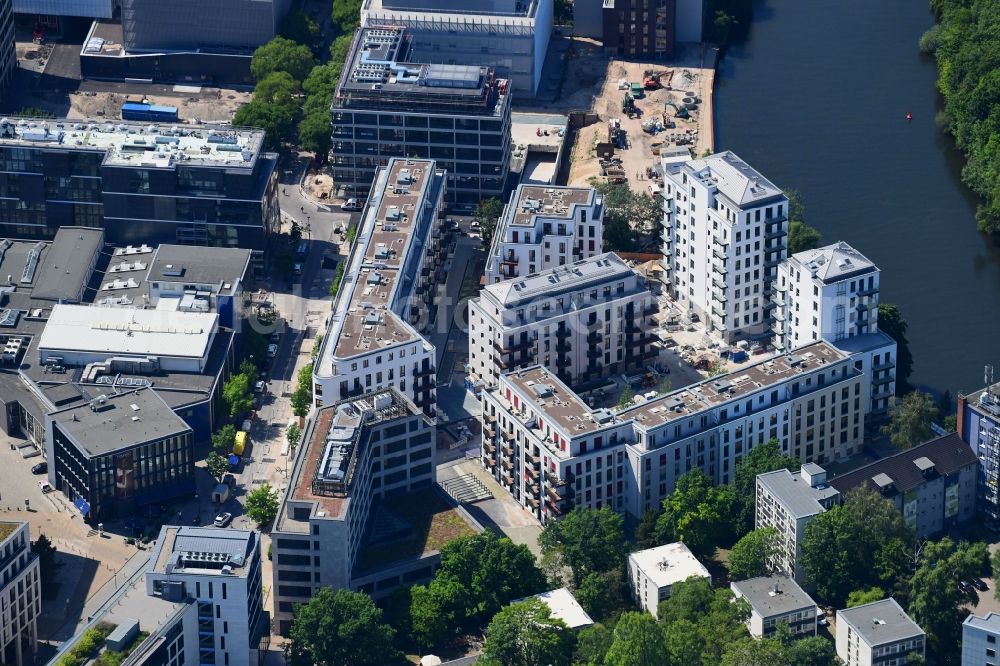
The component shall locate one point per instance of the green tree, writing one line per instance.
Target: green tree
(300, 27)
(216, 465)
(322, 80)
(262, 504)
(645, 531)
(697, 513)
(865, 596)
(842, 547)
(700, 622)
(282, 55)
(592, 643)
(625, 400)
(751, 555)
(600, 593)
(801, 236)
(891, 322)
(630, 218)
(314, 132)
(237, 393)
(638, 641)
(340, 49)
(46, 552)
(586, 540)
(429, 621)
(341, 628)
(763, 458)
(910, 419)
(277, 123)
(526, 634)
(302, 396)
(753, 652)
(279, 89)
(223, 439)
(346, 14)
(293, 435)
(936, 603)
(487, 214)
(812, 651)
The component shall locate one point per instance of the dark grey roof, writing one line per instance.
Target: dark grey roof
(199, 265)
(773, 595)
(795, 494)
(880, 622)
(211, 540)
(66, 267)
(949, 454)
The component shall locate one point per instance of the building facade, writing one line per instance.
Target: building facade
(787, 502)
(21, 594)
(979, 639)
(390, 105)
(878, 633)
(777, 599)
(229, 26)
(653, 572)
(585, 321)
(8, 52)
(355, 452)
(724, 234)
(979, 426)
(640, 28)
(543, 228)
(509, 36)
(374, 340)
(140, 182)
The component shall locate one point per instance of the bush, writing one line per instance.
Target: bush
(90, 642)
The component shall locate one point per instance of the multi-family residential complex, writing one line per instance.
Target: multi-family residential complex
(724, 233)
(544, 444)
(197, 601)
(932, 484)
(653, 572)
(787, 502)
(878, 633)
(979, 426)
(140, 182)
(510, 36)
(831, 294)
(389, 104)
(20, 595)
(119, 452)
(375, 445)
(979, 640)
(777, 599)
(545, 227)
(584, 321)
(374, 340)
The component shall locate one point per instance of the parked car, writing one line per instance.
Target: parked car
(297, 270)
(223, 519)
(964, 587)
(351, 204)
(45, 487)
(272, 350)
(40, 468)
(259, 387)
(979, 584)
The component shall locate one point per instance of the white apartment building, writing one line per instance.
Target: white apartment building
(545, 445)
(831, 294)
(584, 321)
(21, 595)
(374, 339)
(352, 453)
(545, 227)
(787, 502)
(653, 572)
(979, 639)
(878, 634)
(777, 599)
(724, 233)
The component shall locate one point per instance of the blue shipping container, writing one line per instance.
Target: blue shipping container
(149, 112)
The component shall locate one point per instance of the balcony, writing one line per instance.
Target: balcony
(882, 381)
(423, 371)
(718, 253)
(563, 346)
(868, 291)
(594, 337)
(507, 435)
(500, 363)
(533, 473)
(507, 478)
(650, 310)
(595, 352)
(556, 509)
(562, 332)
(490, 431)
(718, 312)
(533, 459)
(719, 268)
(773, 260)
(719, 296)
(777, 232)
(490, 463)
(883, 365)
(562, 362)
(489, 418)
(507, 463)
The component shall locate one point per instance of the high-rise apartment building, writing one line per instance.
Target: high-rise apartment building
(879, 633)
(390, 105)
(21, 595)
(979, 426)
(545, 227)
(725, 228)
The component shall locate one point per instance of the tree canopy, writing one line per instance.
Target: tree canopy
(865, 596)
(629, 217)
(282, 55)
(237, 392)
(216, 465)
(300, 27)
(487, 214)
(891, 322)
(910, 419)
(698, 513)
(801, 236)
(763, 458)
(341, 628)
(526, 634)
(587, 541)
(638, 641)
(223, 439)
(262, 504)
(751, 555)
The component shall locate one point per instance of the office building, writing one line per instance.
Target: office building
(118, 453)
(374, 340)
(545, 227)
(50, 9)
(8, 52)
(353, 453)
(979, 426)
(584, 321)
(388, 105)
(229, 26)
(21, 594)
(547, 447)
(878, 633)
(932, 484)
(197, 601)
(140, 182)
(979, 639)
(725, 231)
(509, 36)
(777, 599)
(831, 294)
(653, 572)
(787, 501)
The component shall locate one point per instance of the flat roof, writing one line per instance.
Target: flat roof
(460, 14)
(989, 622)
(67, 265)
(721, 389)
(668, 564)
(564, 606)
(532, 203)
(773, 595)
(799, 498)
(128, 331)
(557, 402)
(833, 263)
(130, 143)
(220, 266)
(8, 527)
(880, 622)
(119, 421)
(579, 275)
(202, 550)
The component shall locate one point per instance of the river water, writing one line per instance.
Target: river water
(815, 97)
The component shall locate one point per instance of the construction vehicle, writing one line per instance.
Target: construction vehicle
(679, 111)
(628, 103)
(651, 81)
(637, 91)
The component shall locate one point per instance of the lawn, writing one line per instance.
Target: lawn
(432, 523)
